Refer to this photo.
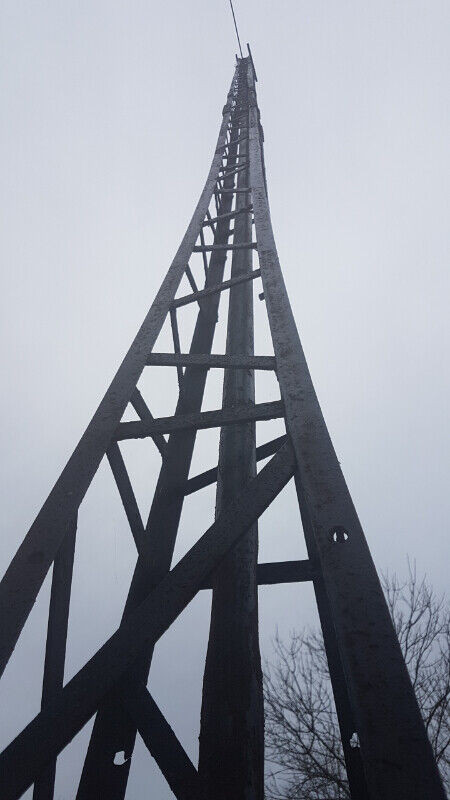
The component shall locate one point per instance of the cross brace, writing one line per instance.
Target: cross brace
(236, 141)
(176, 338)
(162, 743)
(226, 172)
(191, 279)
(201, 421)
(244, 190)
(210, 475)
(208, 248)
(229, 215)
(143, 411)
(127, 496)
(192, 298)
(209, 361)
(73, 706)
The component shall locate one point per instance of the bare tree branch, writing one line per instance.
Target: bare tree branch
(302, 733)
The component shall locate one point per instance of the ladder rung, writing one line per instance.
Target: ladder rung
(236, 141)
(193, 298)
(242, 158)
(209, 221)
(227, 173)
(210, 360)
(229, 215)
(244, 190)
(208, 248)
(205, 419)
(280, 572)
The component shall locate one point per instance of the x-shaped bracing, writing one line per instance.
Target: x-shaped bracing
(54, 727)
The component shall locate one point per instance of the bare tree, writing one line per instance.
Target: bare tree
(302, 733)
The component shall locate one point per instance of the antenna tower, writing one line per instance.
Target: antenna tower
(392, 759)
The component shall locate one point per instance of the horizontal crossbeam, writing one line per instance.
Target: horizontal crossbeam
(221, 287)
(279, 572)
(73, 706)
(210, 361)
(229, 215)
(236, 141)
(210, 475)
(201, 421)
(226, 171)
(209, 248)
(243, 190)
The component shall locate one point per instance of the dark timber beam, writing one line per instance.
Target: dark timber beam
(143, 411)
(231, 741)
(55, 651)
(26, 573)
(245, 190)
(201, 421)
(162, 743)
(191, 279)
(280, 572)
(209, 221)
(236, 141)
(346, 718)
(125, 488)
(74, 705)
(397, 755)
(176, 340)
(210, 476)
(229, 215)
(226, 172)
(203, 250)
(114, 730)
(209, 248)
(192, 298)
(211, 361)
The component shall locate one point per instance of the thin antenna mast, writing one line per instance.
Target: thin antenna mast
(236, 28)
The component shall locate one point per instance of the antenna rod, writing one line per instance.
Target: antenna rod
(236, 27)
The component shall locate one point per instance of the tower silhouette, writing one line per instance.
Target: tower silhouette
(372, 690)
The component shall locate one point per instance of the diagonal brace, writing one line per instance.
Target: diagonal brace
(127, 496)
(210, 475)
(78, 700)
(143, 411)
(192, 298)
(162, 742)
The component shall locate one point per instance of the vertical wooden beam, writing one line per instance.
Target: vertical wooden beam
(231, 762)
(397, 756)
(346, 719)
(114, 730)
(55, 651)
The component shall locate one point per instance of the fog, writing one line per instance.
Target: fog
(110, 118)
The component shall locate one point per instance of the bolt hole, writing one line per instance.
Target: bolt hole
(119, 758)
(338, 534)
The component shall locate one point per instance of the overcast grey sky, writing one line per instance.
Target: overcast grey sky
(110, 117)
